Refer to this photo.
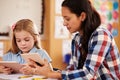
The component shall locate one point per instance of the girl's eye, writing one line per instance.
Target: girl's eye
(27, 40)
(17, 40)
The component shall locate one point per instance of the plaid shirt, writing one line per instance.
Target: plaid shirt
(102, 61)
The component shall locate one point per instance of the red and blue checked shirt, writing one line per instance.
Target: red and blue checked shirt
(102, 62)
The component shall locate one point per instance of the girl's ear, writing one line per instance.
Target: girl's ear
(83, 16)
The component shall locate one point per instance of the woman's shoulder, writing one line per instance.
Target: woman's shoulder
(102, 30)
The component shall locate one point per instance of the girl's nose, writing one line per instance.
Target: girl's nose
(22, 42)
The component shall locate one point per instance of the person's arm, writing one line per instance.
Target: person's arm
(54, 74)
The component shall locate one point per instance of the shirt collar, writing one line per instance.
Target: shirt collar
(77, 38)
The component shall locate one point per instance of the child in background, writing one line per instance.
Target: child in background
(95, 55)
(25, 39)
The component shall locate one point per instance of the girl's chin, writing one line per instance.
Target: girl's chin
(25, 51)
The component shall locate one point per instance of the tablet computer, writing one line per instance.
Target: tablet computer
(11, 64)
(34, 56)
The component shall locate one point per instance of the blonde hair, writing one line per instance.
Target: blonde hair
(26, 25)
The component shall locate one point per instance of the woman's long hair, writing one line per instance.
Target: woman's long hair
(91, 22)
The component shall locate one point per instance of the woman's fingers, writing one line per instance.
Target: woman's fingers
(27, 70)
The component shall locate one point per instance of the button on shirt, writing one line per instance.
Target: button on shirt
(17, 57)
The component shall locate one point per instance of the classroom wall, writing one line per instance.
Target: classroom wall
(54, 46)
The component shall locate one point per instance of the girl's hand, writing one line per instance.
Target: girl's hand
(5, 70)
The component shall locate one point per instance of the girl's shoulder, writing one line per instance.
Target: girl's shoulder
(8, 55)
(41, 50)
(36, 50)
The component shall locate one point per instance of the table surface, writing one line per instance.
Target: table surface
(22, 77)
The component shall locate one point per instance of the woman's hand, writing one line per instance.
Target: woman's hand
(27, 69)
(42, 70)
(5, 70)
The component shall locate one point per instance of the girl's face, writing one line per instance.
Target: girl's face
(24, 41)
(71, 21)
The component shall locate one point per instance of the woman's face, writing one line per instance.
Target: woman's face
(71, 21)
(24, 41)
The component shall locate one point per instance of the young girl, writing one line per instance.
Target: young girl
(95, 55)
(25, 39)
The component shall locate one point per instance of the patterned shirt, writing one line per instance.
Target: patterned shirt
(102, 61)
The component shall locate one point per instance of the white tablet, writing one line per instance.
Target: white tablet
(34, 56)
(11, 64)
